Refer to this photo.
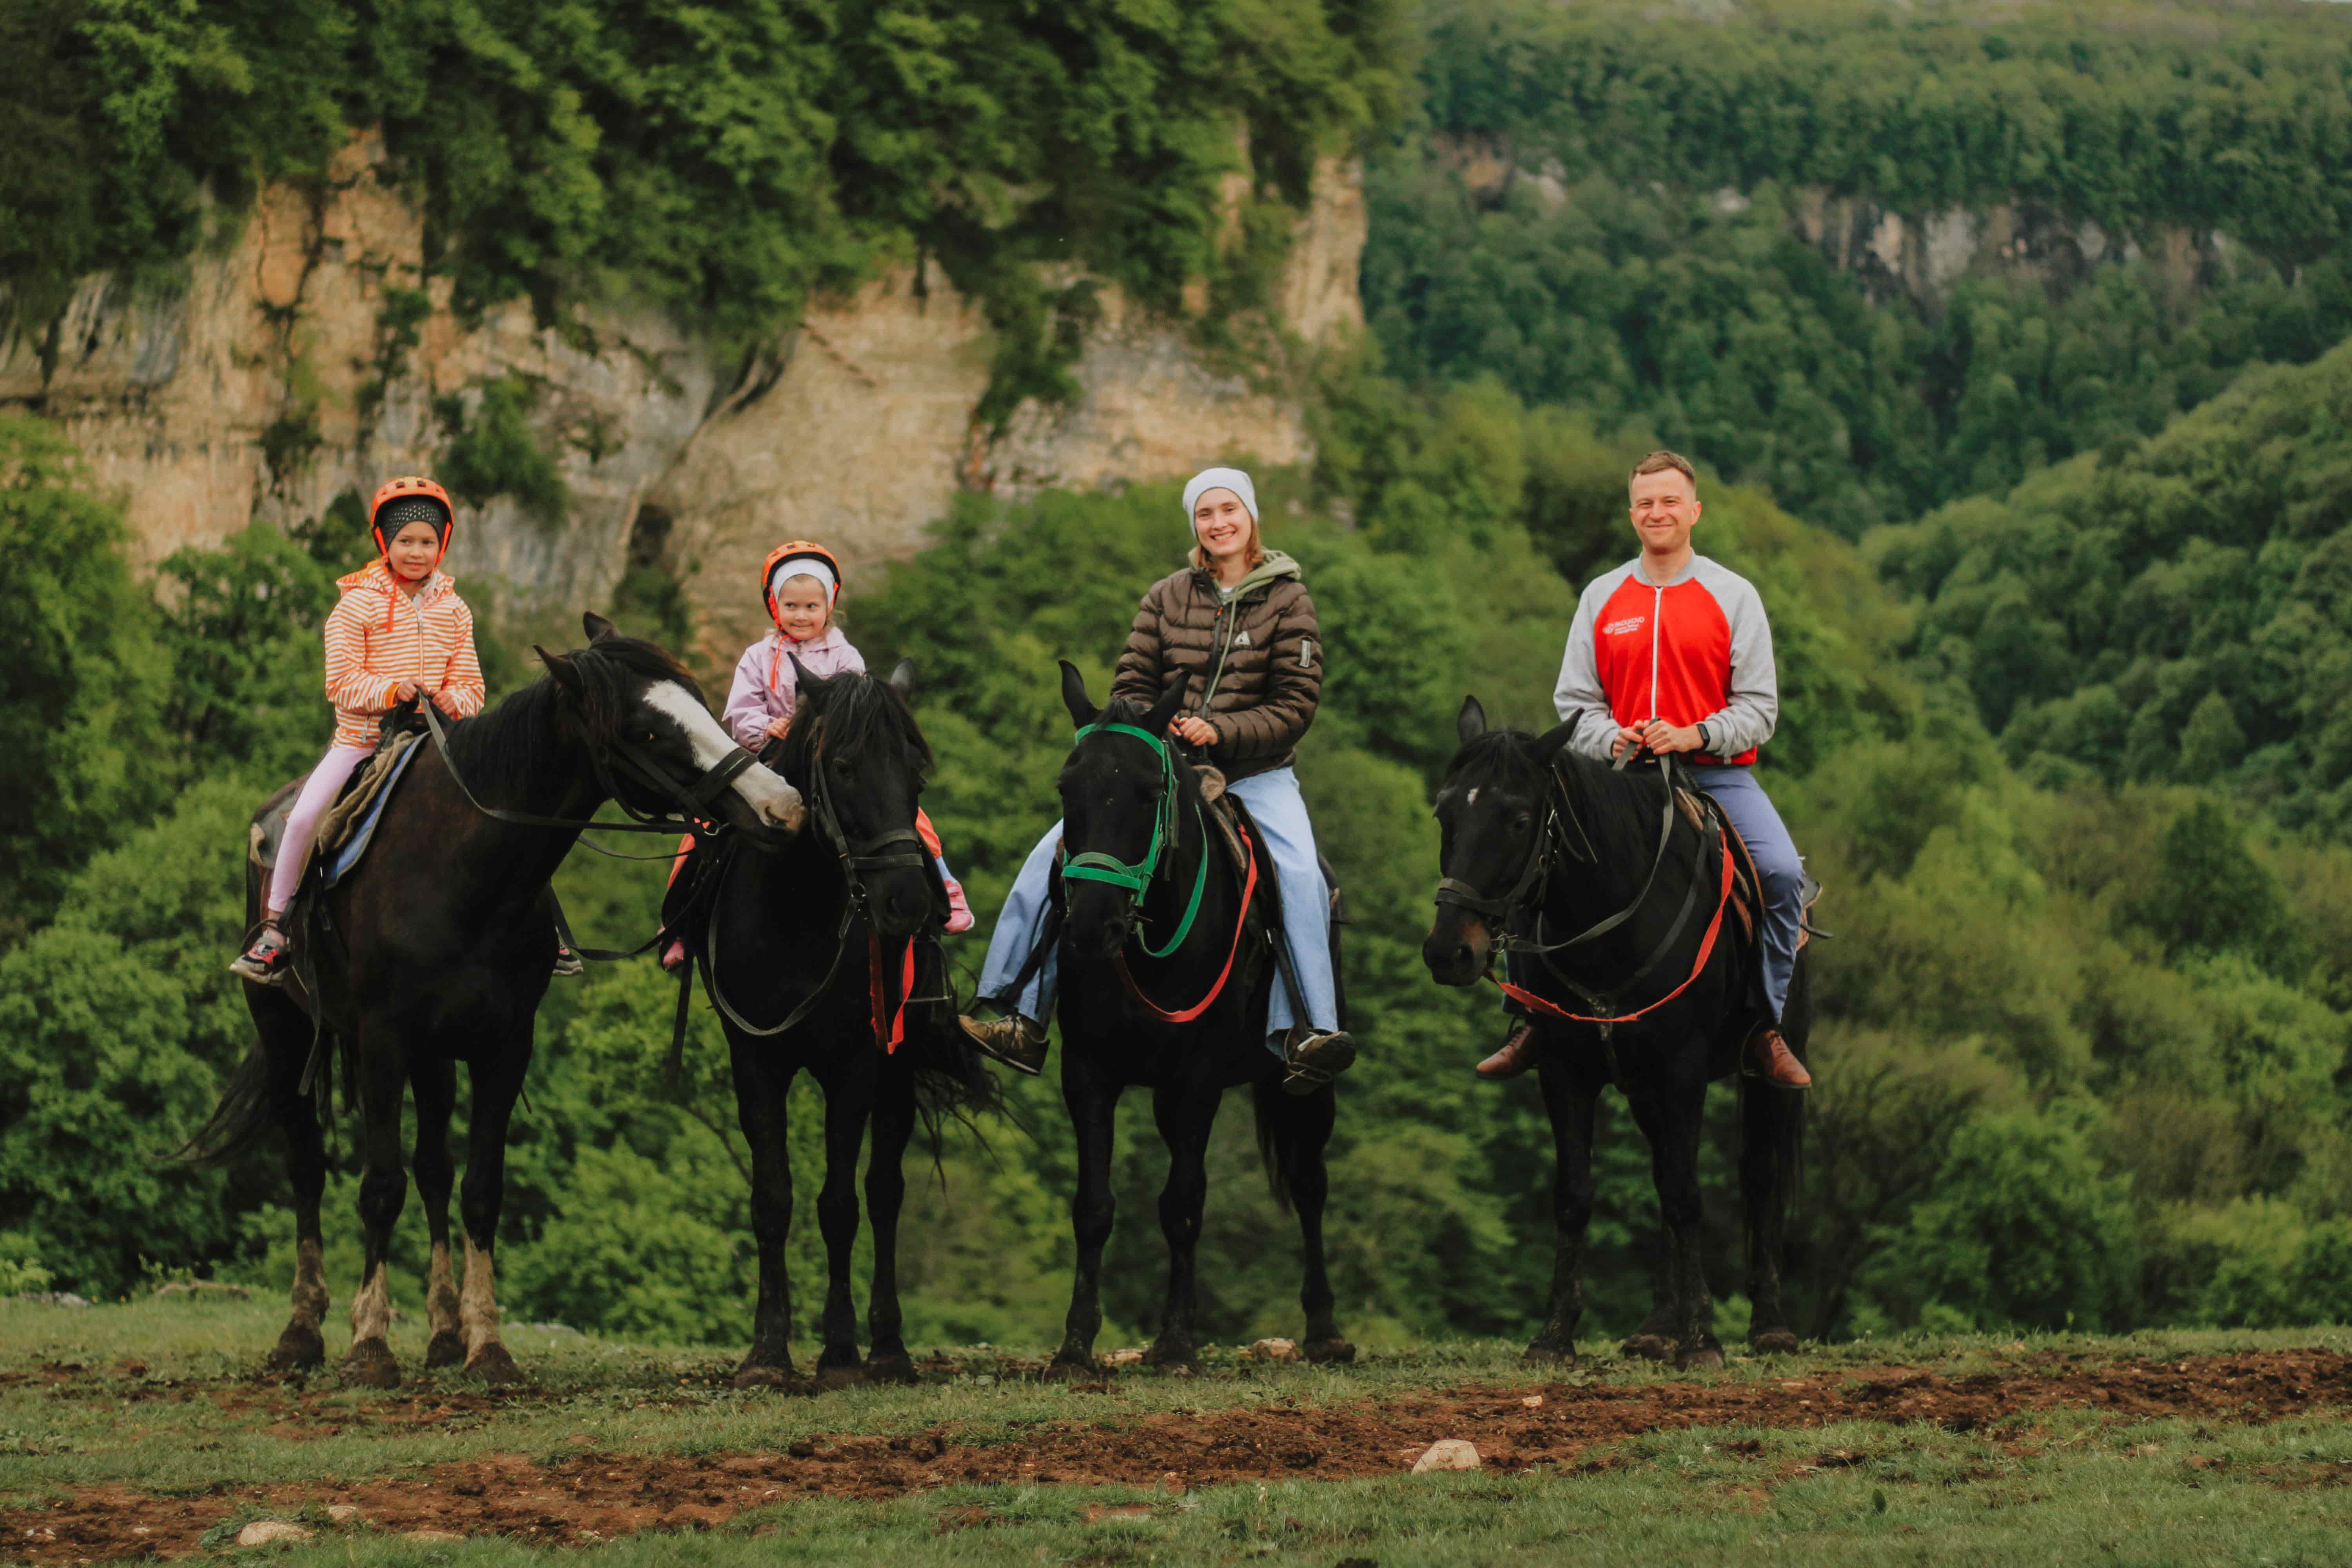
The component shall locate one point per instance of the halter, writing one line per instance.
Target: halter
(1093, 866)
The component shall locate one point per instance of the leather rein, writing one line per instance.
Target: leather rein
(1534, 882)
(881, 852)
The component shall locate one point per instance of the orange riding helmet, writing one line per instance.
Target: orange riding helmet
(787, 551)
(406, 487)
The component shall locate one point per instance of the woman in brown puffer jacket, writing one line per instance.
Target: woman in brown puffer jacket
(1238, 620)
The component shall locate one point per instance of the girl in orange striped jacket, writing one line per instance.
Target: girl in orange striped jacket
(399, 630)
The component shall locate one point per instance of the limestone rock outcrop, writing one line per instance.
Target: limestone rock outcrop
(306, 355)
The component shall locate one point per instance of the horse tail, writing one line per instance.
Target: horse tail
(1273, 1107)
(951, 1078)
(247, 1109)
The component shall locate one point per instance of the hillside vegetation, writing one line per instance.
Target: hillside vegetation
(2062, 740)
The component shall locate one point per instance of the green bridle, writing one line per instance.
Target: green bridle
(1092, 866)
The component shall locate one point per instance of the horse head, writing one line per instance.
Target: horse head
(1493, 807)
(1116, 810)
(859, 759)
(637, 707)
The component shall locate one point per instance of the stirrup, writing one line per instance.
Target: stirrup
(1014, 1041)
(266, 962)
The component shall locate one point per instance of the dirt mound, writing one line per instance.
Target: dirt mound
(591, 1495)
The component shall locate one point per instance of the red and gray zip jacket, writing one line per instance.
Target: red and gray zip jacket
(1695, 650)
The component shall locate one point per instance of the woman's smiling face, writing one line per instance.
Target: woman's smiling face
(1223, 524)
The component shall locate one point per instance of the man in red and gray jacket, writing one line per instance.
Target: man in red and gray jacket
(1670, 652)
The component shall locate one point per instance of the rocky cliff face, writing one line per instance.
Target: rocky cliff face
(309, 355)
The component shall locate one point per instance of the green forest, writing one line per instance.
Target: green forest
(2060, 571)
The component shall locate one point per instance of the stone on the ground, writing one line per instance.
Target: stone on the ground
(1446, 1454)
(1122, 1358)
(262, 1531)
(342, 1513)
(430, 1535)
(1275, 1350)
(213, 1288)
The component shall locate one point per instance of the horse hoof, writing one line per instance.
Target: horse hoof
(1773, 1342)
(1334, 1349)
(1646, 1347)
(492, 1364)
(897, 1368)
(1706, 1358)
(300, 1349)
(770, 1377)
(447, 1348)
(1066, 1368)
(370, 1365)
(1548, 1355)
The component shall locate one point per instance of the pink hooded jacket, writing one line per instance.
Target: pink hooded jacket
(765, 685)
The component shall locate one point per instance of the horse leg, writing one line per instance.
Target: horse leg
(1767, 1170)
(762, 1086)
(496, 1081)
(435, 1085)
(1672, 1125)
(848, 1100)
(887, 1360)
(1094, 1108)
(301, 1345)
(1294, 1130)
(1185, 1117)
(384, 1188)
(1570, 1104)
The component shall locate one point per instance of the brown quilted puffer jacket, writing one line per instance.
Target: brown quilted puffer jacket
(1256, 663)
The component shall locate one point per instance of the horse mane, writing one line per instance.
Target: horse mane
(859, 714)
(518, 743)
(1613, 806)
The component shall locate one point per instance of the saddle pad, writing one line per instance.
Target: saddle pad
(342, 841)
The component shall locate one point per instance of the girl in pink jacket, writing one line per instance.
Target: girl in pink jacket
(800, 582)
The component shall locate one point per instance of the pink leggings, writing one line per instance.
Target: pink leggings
(302, 823)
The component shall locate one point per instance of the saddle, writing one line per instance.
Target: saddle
(1747, 883)
(348, 826)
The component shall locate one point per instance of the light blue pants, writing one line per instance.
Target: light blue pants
(1751, 812)
(1280, 812)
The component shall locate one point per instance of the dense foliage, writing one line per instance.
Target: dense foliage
(721, 161)
(1646, 260)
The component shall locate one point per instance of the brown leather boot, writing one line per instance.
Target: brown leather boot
(1770, 1059)
(1516, 1055)
(1015, 1041)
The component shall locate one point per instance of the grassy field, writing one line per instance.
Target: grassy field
(147, 1429)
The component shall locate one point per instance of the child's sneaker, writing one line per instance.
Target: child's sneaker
(265, 962)
(958, 910)
(672, 956)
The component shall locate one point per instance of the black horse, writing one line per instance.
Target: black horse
(810, 954)
(1542, 845)
(436, 948)
(1187, 1025)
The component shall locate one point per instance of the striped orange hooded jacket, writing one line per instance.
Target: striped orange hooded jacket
(378, 636)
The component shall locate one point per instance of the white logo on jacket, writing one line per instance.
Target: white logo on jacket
(1629, 624)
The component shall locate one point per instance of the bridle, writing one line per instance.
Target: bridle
(859, 857)
(1530, 888)
(1093, 866)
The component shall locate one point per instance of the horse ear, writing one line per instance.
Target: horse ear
(1554, 741)
(1083, 710)
(1170, 700)
(809, 683)
(1471, 723)
(597, 627)
(902, 678)
(559, 669)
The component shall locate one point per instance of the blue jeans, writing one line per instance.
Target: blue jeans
(1280, 812)
(1750, 810)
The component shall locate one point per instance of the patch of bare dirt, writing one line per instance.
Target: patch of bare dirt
(590, 1496)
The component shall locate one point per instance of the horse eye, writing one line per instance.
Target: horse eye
(1524, 819)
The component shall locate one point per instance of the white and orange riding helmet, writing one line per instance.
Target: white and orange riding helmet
(804, 557)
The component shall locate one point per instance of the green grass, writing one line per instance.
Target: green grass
(167, 1402)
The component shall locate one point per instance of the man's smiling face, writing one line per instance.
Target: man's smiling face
(1666, 506)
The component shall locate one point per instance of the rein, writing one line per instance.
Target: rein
(858, 858)
(1535, 878)
(1093, 866)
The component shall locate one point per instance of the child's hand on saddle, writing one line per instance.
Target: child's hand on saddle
(1194, 732)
